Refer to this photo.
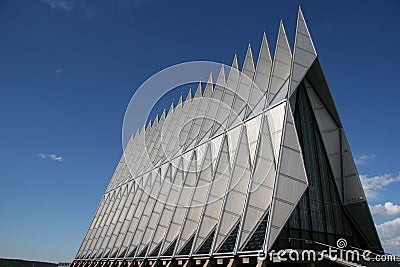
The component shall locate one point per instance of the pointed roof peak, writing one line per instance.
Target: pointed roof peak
(282, 37)
(209, 86)
(248, 65)
(146, 126)
(304, 52)
(264, 38)
(164, 113)
(249, 52)
(264, 42)
(198, 90)
(171, 108)
(282, 27)
(235, 63)
(210, 77)
(180, 100)
(300, 12)
(189, 95)
(221, 80)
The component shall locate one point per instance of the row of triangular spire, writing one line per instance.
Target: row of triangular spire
(281, 54)
(276, 78)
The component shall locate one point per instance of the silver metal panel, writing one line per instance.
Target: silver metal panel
(253, 131)
(263, 69)
(212, 209)
(353, 191)
(275, 117)
(113, 223)
(198, 199)
(124, 218)
(236, 192)
(226, 104)
(242, 93)
(98, 239)
(215, 149)
(214, 102)
(201, 111)
(281, 63)
(331, 136)
(167, 210)
(147, 209)
(304, 52)
(233, 142)
(291, 181)
(149, 183)
(99, 211)
(181, 207)
(257, 98)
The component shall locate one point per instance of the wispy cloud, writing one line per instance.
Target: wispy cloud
(363, 159)
(386, 210)
(50, 156)
(59, 70)
(389, 233)
(374, 185)
(59, 4)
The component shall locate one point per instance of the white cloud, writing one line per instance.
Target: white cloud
(50, 156)
(59, 70)
(373, 185)
(59, 4)
(385, 211)
(389, 233)
(363, 159)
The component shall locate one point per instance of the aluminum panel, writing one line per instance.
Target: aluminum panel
(281, 63)
(253, 131)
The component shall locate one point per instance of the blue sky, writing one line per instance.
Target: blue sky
(68, 69)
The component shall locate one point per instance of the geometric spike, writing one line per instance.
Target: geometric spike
(236, 194)
(171, 108)
(221, 80)
(261, 79)
(233, 76)
(163, 114)
(233, 141)
(264, 65)
(189, 95)
(304, 52)
(209, 86)
(235, 63)
(262, 184)
(244, 88)
(215, 148)
(224, 107)
(291, 179)
(281, 64)
(248, 65)
(253, 131)
(275, 119)
(211, 211)
(180, 101)
(198, 91)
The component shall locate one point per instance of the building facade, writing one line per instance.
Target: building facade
(253, 162)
